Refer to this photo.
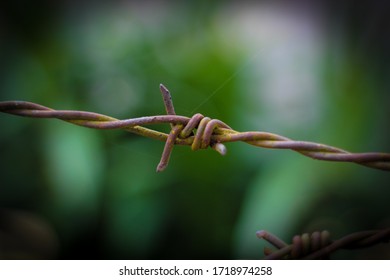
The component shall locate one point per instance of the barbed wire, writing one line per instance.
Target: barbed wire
(318, 245)
(199, 132)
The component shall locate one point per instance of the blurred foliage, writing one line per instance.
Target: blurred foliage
(299, 71)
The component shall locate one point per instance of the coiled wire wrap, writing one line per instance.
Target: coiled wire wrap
(199, 132)
(318, 245)
(202, 139)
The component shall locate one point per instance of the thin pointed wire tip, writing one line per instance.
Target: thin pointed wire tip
(163, 88)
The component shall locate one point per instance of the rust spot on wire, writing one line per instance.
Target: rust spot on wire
(199, 132)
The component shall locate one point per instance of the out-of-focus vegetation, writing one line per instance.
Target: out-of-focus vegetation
(309, 72)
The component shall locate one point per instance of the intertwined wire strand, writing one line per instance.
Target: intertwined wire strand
(318, 245)
(199, 132)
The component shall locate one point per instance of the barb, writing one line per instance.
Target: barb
(318, 245)
(199, 132)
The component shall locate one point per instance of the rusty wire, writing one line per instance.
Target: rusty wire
(199, 132)
(318, 245)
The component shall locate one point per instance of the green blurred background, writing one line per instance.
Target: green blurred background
(309, 70)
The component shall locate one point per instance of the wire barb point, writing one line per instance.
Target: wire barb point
(220, 148)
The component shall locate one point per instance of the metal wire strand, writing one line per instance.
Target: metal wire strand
(199, 132)
(318, 245)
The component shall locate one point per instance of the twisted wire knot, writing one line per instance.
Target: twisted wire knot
(302, 245)
(305, 244)
(202, 128)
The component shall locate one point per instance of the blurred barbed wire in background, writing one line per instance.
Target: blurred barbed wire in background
(318, 245)
(199, 132)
